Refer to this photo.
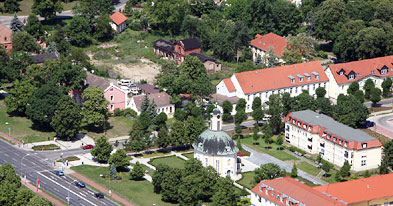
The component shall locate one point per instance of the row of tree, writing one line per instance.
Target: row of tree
(371, 92)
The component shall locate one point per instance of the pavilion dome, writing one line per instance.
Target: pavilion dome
(215, 143)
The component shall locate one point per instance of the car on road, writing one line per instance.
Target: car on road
(88, 146)
(99, 195)
(80, 184)
(59, 173)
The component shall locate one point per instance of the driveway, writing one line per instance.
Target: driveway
(383, 124)
(259, 159)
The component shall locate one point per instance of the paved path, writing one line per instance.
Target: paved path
(100, 188)
(383, 125)
(10, 139)
(259, 158)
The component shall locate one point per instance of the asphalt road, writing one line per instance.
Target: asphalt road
(383, 103)
(35, 165)
(228, 127)
(382, 120)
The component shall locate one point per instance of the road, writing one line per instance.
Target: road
(6, 20)
(34, 165)
(383, 103)
(228, 127)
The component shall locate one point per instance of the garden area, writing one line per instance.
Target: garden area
(25, 7)
(247, 180)
(46, 147)
(171, 161)
(134, 191)
(189, 155)
(118, 126)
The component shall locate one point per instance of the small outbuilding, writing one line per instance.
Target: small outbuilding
(118, 22)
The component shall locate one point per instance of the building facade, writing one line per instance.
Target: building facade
(336, 143)
(265, 82)
(117, 97)
(118, 22)
(210, 64)
(342, 75)
(184, 47)
(261, 44)
(216, 148)
(162, 101)
(5, 38)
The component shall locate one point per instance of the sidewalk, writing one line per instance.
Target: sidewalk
(100, 188)
(16, 142)
(43, 194)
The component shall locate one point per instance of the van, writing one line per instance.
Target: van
(124, 82)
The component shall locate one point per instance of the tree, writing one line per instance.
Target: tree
(62, 45)
(384, 167)
(102, 150)
(193, 127)
(299, 47)
(89, 9)
(137, 137)
(69, 75)
(103, 30)
(375, 95)
(78, 31)
(287, 103)
(294, 171)
(23, 197)
(241, 105)
(388, 154)
(224, 193)
(345, 44)
(350, 111)
(326, 166)
(24, 42)
(279, 141)
(320, 92)
(344, 170)
(291, 56)
(34, 26)
(359, 96)
(9, 184)
(169, 185)
(177, 133)
(386, 86)
(67, 119)
(371, 42)
(47, 8)
(19, 96)
(137, 172)
(38, 201)
(304, 101)
(324, 106)
(368, 85)
(120, 160)
(11, 6)
(145, 120)
(255, 131)
(257, 112)
(267, 172)
(41, 106)
(95, 110)
(274, 111)
(158, 177)
(16, 25)
(160, 121)
(353, 88)
(270, 59)
(152, 110)
(163, 140)
(227, 107)
(113, 172)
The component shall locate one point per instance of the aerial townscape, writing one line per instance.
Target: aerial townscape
(196, 102)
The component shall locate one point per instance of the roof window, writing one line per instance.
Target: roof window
(372, 71)
(292, 78)
(315, 74)
(364, 145)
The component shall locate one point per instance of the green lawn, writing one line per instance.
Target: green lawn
(171, 161)
(279, 154)
(189, 155)
(21, 127)
(25, 7)
(138, 192)
(119, 126)
(247, 180)
(310, 169)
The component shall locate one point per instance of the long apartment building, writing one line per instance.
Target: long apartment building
(265, 82)
(319, 134)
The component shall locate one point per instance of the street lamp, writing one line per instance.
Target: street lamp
(21, 164)
(68, 196)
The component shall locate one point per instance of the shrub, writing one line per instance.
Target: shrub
(117, 112)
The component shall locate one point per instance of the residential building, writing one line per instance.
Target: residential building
(285, 191)
(261, 44)
(210, 64)
(144, 89)
(41, 58)
(343, 74)
(164, 48)
(219, 99)
(336, 143)
(264, 82)
(118, 22)
(184, 47)
(5, 38)
(216, 148)
(371, 191)
(162, 100)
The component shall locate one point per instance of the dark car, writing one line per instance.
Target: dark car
(59, 173)
(99, 195)
(88, 146)
(80, 184)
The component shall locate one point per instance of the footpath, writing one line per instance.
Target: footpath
(10, 139)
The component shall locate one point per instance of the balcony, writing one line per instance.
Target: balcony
(309, 147)
(310, 139)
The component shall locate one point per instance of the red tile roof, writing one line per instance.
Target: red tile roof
(362, 69)
(270, 39)
(279, 77)
(290, 189)
(229, 84)
(360, 190)
(5, 35)
(118, 18)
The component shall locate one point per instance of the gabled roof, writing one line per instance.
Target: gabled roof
(164, 45)
(229, 84)
(118, 18)
(221, 98)
(270, 39)
(160, 99)
(94, 80)
(41, 58)
(360, 190)
(191, 43)
(362, 69)
(279, 77)
(203, 58)
(5, 32)
(148, 88)
(290, 189)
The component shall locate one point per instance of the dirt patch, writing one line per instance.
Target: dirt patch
(137, 72)
(107, 45)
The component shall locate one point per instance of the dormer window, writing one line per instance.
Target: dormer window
(292, 78)
(384, 71)
(351, 76)
(342, 72)
(308, 77)
(300, 77)
(316, 75)
(373, 72)
(334, 139)
(364, 145)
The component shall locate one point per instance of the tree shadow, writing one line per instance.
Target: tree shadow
(40, 127)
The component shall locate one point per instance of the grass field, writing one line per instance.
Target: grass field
(310, 169)
(189, 155)
(25, 7)
(21, 127)
(171, 161)
(279, 154)
(119, 126)
(381, 138)
(247, 180)
(138, 192)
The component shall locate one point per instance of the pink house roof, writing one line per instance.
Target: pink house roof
(270, 39)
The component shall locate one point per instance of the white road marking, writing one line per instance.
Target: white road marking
(66, 189)
(82, 194)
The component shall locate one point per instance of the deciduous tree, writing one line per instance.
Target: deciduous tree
(38, 201)
(267, 172)
(102, 150)
(224, 193)
(103, 30)
(137, 172)
(67, 119)
(47, 8)
(386, 86)
(353, 88)
(375, 95)
(24, 42)
(9, 184)
(34, 26)
(78, 31)
(120, 159)
(350, 111)
(95, 110)
(19, 96)
(89, 9)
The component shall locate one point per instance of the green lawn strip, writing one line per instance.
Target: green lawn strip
(118, 126)
(70, 159)
(381, 137)
(150, 171)
(45, 147)
(171, 161)
(25, 7)
(189, 155)
(20, 127)
(279, 154)
(6, 140)
(247, 180)
(306, 182)
(154, 154)
(48, 193)
(138, 192)
(306, 167)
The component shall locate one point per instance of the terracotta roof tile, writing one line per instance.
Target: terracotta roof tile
(5, 34)
(221, 98)
(229, 84)
(270, 39)
(118, 18)
(160, 99)
(362, 69)
(279, 77)
(289, 188)
(360, 190)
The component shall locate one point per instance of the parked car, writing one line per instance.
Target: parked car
(99, 195)
(80, 184)
(59, 173)
(88, 146)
